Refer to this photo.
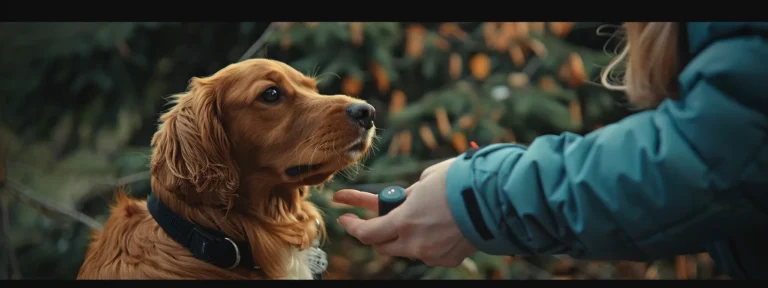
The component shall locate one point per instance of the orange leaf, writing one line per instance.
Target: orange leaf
(427, 137)
(446, 29)
(480, 66)
(454, 66)
(517, 55)
(284, 26)
(351, 86)
(414, 42)
(381, 76)
(414, 46)
(466, 122)
(406, 141)
(537, 27)
(523, 29)
(652, 272)
(356, 33)
(416, 28)
(507, 33)
(537, 47)
(518, 80)
(704, 258)
(578, 75)
(547, 84)
(681, 267)
(442, 44)
(452, 29)
(459, 142)
(560, 29)
(574, 111)
(397, 102)
(312, 25)
(490, 33)
(443, 124)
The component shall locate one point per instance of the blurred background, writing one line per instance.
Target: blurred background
(80, 103)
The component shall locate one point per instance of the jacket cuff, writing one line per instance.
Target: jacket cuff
(468, 206)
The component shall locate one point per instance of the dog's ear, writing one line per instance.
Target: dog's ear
(195, 149)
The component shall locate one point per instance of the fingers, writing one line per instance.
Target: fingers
(357, 198)
(372, 231)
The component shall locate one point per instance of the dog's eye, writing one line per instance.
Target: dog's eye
(271, 96)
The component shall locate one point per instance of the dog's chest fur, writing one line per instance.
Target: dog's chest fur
(304, 265)
(298, 265)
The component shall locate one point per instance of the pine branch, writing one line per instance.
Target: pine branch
(103, 187)
(28, 196)
(259, 42)
(125, 180)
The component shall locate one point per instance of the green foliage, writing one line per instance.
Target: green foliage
(82, 101)
(416, 60)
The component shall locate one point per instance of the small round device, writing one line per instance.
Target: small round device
(390, 198)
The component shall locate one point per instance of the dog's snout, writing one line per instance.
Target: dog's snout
(362, 113)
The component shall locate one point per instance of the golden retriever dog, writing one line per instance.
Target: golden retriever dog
(234, 158)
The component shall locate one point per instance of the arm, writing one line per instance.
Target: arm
(658, 183)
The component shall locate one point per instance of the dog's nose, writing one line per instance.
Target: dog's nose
(362, 113)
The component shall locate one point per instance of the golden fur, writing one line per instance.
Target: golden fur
(218, 160)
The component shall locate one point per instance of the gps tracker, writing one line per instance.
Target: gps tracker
(390, 198)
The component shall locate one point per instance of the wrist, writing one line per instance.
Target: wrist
(468, 200)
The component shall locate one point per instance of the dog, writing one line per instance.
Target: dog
(232, 160)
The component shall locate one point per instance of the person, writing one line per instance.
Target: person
(689, 174)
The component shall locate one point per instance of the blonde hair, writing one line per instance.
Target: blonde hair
(650, 60)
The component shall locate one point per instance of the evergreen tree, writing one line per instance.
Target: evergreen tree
(82, 99)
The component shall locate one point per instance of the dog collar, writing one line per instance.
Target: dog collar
(205, 244)
(212, 246)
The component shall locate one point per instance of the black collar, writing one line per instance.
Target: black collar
(206, 245)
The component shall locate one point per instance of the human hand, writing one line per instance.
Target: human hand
(421, 228)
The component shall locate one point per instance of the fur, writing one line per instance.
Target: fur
(219, 159)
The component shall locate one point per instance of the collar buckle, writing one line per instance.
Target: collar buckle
(218, 244)
(237, 253)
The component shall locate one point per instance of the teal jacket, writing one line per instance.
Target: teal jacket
(689, 176)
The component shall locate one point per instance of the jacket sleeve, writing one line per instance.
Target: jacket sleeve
(658, 183)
